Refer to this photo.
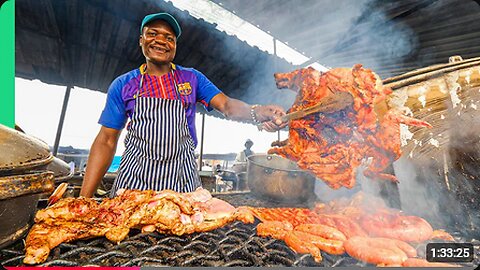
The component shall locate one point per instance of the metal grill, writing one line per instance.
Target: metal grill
(233, 245)
(248, 199)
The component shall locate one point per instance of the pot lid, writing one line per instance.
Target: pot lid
(454, 63)
(21, 151)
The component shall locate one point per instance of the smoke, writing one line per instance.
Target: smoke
(262, 88)
(375, 40)
(340, 34)
(351, 32)
(422, 194)
(417, 198)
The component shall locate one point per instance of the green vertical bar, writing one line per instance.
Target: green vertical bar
(7, 63)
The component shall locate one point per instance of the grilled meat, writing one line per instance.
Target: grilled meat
(44, 236)
(334, 145)
(362, 226)
(379, 250)
(165, 211)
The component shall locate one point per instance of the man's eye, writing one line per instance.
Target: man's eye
(151, 34)
(170, 39)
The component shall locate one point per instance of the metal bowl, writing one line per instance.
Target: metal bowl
(279, 179)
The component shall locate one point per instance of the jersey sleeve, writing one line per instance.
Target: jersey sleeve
(114, 114)
(206, 90)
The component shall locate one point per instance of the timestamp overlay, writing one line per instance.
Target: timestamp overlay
(450, 252)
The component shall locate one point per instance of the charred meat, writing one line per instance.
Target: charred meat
(334, 145)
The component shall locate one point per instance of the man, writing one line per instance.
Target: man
(240, 164)
(159, 98)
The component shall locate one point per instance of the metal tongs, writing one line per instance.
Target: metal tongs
(329, 104)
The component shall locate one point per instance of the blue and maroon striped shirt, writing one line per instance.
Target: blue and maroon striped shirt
(193, 87)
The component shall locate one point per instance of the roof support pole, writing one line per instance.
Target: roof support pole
(275, 69)
(62, 118)
(201, 143)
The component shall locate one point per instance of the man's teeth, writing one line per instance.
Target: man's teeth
(159, 50)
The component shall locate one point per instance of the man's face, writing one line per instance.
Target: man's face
(158, 42)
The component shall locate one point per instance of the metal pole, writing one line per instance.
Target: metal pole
(62, 118)
(275, 69)
(201, 142)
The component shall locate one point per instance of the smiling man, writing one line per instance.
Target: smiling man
(159, 98)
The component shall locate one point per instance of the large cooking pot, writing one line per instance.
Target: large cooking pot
(279, 179)
(19, 196)
(23, 178)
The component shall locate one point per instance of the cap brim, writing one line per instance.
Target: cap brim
(165, 17)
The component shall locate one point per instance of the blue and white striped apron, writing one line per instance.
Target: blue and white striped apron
(159, 151)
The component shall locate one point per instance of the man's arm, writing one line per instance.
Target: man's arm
(238, 110)
(100, 157)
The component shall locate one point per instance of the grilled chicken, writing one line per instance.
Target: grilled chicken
(165, 211)
(333, 145)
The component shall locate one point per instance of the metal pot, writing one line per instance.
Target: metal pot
(279, 179)
(23, 179)
(19, 196)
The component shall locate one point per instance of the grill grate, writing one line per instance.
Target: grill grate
(233, 245)
(247, 199)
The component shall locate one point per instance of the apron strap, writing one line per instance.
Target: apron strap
(176, 88)
(140, 84)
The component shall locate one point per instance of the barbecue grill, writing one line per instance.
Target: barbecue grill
(233, 245)
(237, 244)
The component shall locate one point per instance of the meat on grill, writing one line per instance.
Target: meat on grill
(379, 250)
(334, 145)
(363, 227)
(165, 211)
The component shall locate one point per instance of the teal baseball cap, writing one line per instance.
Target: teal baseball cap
(165, 17)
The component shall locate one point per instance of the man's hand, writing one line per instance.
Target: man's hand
(271, 117)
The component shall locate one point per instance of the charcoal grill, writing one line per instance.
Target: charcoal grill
(233, 245)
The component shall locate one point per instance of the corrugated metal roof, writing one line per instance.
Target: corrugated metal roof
(87, 43)
(391, 37)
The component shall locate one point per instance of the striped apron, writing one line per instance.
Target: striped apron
(159, 151)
